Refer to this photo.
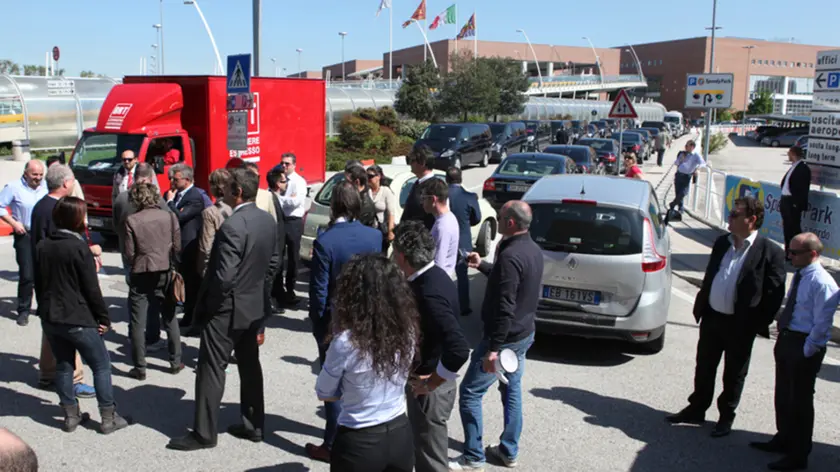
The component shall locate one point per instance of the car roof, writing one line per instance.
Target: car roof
(609, 190)
(536, 155)
(566, 146)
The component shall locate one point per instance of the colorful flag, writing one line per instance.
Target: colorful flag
(468, 29)
(447, 17)
(419, 14)
(385, 4)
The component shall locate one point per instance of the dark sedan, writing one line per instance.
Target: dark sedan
(518, 172)
(608, 153)
(585, 157)
(634, 141)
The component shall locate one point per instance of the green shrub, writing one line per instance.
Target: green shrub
(375, 144)
(402, 146)
(411, 128)
(366, 113)
(356, 132)
(717, 142)
(386, 116)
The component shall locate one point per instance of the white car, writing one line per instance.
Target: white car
(402, 180)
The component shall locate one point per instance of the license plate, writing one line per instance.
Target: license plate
(96, 222)
(588, 297)
(518, 188)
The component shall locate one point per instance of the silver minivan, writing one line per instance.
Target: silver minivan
(607, 258)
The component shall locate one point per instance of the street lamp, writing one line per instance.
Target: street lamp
(539, 72)
(747, 88)
(597, 59)
(343, 71)
(638, 62)
(209, 33)
(158, 34)
(708, 127)
(300, 71)
(154, 50)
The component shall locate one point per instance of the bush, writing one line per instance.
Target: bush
(356, 132)
(411, 128)
(717, 142)
(386, 116)
(402, 146)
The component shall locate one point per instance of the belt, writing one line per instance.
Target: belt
(399, 421)
(794, 333)
(291, 218)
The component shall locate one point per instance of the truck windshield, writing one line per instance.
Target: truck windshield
(101, 152)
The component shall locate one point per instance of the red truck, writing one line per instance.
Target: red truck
(152, 114)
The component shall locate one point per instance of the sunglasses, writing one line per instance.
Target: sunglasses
(128, 160)
(372, 176)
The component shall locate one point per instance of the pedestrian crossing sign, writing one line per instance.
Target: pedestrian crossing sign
(239, 73)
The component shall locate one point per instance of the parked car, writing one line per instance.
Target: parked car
(540, 129)
(518, 172)
(607, 270)
(402, 180)
(608, 153)
(506, 137)
(770, 132)
(458, 144)
(585, 157)
(787, 138)
(632, 141)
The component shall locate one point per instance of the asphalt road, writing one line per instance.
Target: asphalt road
(588, 405)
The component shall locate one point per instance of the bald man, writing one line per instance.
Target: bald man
(20, 197)
(16, 455)
(804, 330)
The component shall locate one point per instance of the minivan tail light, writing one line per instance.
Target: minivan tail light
(610, 157)
(490, 184)
(652, 261)
(636, 147)
(573, 201)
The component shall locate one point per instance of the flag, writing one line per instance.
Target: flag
(468, 29)
(447, 17)
(419, 14)
(385, 4)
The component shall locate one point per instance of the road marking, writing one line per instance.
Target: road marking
(682, 295)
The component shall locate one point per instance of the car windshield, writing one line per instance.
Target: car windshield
(672, 119)
(441, 132)
(597, 144)
(653, 131)
(629, 137)
(102, 152)
(531, 167)
(325, 194)
(497, 129)
(586, 229)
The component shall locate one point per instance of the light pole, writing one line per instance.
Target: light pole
(154, 50)
(209, 33)
(274, 64)
(638, 62)
(597, 59)
(161, 38)
(257, 11)
(343, 71)
(152, 65)
(300, 71)
(746, 89)
(159, 34)
(708, 127)
(539, 72)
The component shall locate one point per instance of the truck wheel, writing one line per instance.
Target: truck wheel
(485, 160)
(485, 238)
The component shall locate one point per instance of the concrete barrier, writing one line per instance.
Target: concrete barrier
(20, 150)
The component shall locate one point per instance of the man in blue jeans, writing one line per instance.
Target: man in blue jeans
(687, 164)
(510, 304)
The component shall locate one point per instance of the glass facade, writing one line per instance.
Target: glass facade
(800, 86)
(769, 83)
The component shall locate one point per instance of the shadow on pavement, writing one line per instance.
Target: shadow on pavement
(22, 369)
(579, 351)
(699, 234)
(743, 141)
(289, 467)
(671, 448)
(297, 360)
(9, 275)
(830, 373)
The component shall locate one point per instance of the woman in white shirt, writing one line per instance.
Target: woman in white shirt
(385, 202)
(374, 335)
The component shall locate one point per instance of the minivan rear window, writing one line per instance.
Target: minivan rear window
(441, 132)
(531, 167)
(583, 228)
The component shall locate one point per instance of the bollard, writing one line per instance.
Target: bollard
(20, 150)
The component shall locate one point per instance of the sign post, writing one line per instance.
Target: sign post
(823, 155)
(239, 100)
(708, 91)
(622, 108)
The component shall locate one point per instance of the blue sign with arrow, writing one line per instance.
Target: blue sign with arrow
(239, 73)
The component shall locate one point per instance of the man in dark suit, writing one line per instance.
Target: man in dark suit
(422, 162)
(741, 292)
(443, 346)
(244, 257)
(345, 237)
(796, 184)
(464, 205)
(186, 201)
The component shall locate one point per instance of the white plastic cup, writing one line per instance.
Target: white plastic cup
(506, 363)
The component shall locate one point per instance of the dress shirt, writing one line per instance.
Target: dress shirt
(240, 206)
(446, 232)
(178, 195)
(293, 202)
(442, 371)
(724, 285)
(366, 398)
(419, 272)
(689, 163)
(21, 199)
(786, 184)
(384, 200)
(816, 301)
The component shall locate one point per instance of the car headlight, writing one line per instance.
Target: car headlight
(447, 153)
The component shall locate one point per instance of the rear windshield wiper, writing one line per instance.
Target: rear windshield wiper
(559, 247)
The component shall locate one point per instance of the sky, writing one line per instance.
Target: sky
(110, 36)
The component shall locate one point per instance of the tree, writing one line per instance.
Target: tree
(469, 87)
(762, 104)
(512, 85)
(9, 67)
(414, 97)
(724, 115)
(87, 73)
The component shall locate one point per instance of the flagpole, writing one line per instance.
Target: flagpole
(424, 28)
(426, 42)
(475, 36)
(391, 44)
(456, 25)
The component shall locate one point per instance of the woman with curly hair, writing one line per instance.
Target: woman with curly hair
(374, 335)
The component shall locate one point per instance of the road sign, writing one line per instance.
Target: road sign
(61, 87)
(240, 101)
(709, 90)
(622, 107)
(56, 53)
(823, 155)
(239, 73)
(237, 137)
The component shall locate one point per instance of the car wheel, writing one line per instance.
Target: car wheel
(485, 238)
(485, 160)
(457, 163)
(774, 144)
(654, 346)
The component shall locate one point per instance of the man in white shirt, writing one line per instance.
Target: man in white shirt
(687, 164)
(445, 232)
(796, 185)
(292, 204)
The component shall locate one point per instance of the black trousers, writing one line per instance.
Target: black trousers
(660, 154)
(387, 447)
(721, 336)
(146, 295)
(24, 254)
(294, 231)
(192, 283)
(795, 379)
(791, 219)
(218, 340)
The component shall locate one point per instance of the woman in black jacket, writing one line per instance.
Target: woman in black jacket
(73, 313)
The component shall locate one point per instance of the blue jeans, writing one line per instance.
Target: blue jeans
(331, 409)
(65, 340)
(475, 384)
(681, 184)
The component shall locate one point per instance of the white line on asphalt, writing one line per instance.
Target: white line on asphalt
(682, 295)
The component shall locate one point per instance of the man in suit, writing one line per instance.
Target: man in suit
(464, 205)
(796, 184)
(443, 346)
(277, 183)
(345, 237)
(186, 201)
(125, 176)
(422, 162)
(230, 311)
(292, 202)
(741, 292)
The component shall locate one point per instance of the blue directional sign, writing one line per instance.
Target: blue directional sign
(827, 80)
(239, 73)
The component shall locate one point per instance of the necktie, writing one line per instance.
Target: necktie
(787, 314)
(178, 198)
(128, 180)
